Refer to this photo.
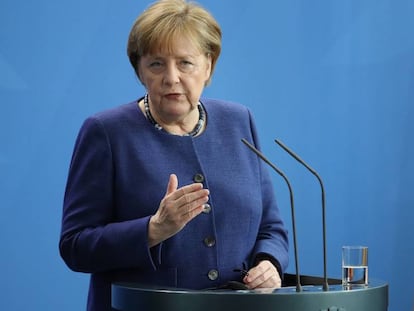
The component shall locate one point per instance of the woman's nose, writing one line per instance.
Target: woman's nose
(171, 75)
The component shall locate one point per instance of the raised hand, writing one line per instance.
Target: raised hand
(177, 208)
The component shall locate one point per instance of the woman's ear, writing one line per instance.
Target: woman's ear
(139, 74)
(208, 68)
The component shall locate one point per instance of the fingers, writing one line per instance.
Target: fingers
(180, 205)
(188, 200)
(264, 275)
(176, 209)
(172, 184)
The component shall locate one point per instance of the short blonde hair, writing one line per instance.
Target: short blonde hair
(165, 20)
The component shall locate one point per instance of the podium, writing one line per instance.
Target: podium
(132, 297)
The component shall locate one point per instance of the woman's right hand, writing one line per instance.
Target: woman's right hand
(177, 208)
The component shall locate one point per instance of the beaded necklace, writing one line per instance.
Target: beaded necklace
(194, 132)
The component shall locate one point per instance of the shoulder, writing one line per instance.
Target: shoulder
(228, 118)
(120, 120)
(118, 113)
(121, 115)
(225, 108)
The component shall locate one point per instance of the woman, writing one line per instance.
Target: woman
(161, 191)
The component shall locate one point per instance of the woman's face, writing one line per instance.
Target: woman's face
(175, 80)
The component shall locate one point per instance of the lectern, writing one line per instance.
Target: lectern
(132, 297)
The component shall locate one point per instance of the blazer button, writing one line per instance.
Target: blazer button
(213, 274)
(198, 177)
(207, 208)
(209, 241)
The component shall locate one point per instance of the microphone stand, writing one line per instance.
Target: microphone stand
(260, 155)
(297, 158)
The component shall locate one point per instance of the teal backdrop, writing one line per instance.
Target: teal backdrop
(332, 79)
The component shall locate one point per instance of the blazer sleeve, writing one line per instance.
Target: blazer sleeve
(272, 238)
(90, 241)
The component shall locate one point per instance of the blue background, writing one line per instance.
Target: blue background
(334, 80)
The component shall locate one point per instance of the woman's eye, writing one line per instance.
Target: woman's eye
(186, 65)
(155, 64)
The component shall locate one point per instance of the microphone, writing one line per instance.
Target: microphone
(297, 158)
(292, 207)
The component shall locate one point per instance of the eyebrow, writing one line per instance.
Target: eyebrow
(174, 56)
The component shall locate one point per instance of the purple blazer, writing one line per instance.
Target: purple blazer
(119, 174)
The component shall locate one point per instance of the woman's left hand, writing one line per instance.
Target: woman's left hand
(264, 275)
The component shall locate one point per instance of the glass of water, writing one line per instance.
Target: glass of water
(354, 266)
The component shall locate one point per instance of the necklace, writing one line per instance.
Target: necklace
(196, 130)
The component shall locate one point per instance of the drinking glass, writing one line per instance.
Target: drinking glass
(354, 265)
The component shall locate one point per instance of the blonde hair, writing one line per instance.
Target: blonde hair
(165, 20)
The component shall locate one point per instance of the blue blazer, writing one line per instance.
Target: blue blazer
(117, 177)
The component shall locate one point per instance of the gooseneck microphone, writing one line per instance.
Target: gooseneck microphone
(292, 207)
(297, 158)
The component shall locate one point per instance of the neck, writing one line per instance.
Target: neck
(192, 124)
(178, 126)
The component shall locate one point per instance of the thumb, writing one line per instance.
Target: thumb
(172, 184)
